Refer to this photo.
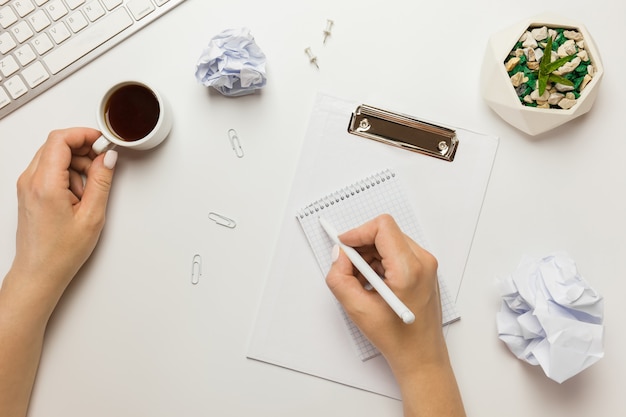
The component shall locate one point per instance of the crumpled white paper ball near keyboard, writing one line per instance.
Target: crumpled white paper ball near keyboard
(232, 63)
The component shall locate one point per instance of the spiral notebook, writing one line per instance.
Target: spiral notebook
(351, 206)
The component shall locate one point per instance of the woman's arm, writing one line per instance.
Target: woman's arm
(62, 198)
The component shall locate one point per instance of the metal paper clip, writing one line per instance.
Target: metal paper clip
(222, 221)
(196, 269)
(234, 142)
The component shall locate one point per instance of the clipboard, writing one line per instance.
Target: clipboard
(298, 326)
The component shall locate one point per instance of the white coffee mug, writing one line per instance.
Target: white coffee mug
(132, 115)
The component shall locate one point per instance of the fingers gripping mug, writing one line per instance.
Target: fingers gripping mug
(132, 115)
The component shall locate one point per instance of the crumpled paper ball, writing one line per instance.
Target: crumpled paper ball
(232, 63)
(551, 317)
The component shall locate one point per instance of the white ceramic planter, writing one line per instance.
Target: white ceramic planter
(497, 91)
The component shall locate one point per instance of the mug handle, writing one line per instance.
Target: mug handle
(102, 145)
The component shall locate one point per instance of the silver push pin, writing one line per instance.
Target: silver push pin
(312, 58)
(329, 26)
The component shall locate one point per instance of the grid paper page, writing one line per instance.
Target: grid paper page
(352, 206)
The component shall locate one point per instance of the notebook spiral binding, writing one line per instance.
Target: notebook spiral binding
(346, 192)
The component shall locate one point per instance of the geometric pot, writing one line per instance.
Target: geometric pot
(498, 92)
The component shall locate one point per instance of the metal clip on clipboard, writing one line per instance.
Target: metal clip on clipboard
(404, 132)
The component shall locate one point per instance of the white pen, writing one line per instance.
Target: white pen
(370, 275)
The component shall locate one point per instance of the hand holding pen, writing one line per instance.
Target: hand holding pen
(409, 271)
(374, 281)
(416, 352)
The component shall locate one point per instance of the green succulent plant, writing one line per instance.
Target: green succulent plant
(546, 69)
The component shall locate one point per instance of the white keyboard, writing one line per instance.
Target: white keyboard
(44, 41)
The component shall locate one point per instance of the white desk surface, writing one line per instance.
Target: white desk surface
(133, 337)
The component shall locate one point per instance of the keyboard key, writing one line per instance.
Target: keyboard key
(59, 32)
(35, 74)
(73, 4)
(140, 8)
(22, 31)
(39, 20)
(111, 4)
(56, 9)
(42, 44)
(8, 65)
(94, 11)
(40, 2)
(6, 42)
(4, 98)
(16, 87)
(25, 55)
(92, 37)
(77, 21)
(161, 2)
(23, 7)
(7, 17)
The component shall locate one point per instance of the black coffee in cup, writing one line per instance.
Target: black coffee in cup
(131, 112)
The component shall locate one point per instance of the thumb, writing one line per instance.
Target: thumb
(98, 183)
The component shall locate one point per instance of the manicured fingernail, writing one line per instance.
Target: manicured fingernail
(334, 255)
(110, 159)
